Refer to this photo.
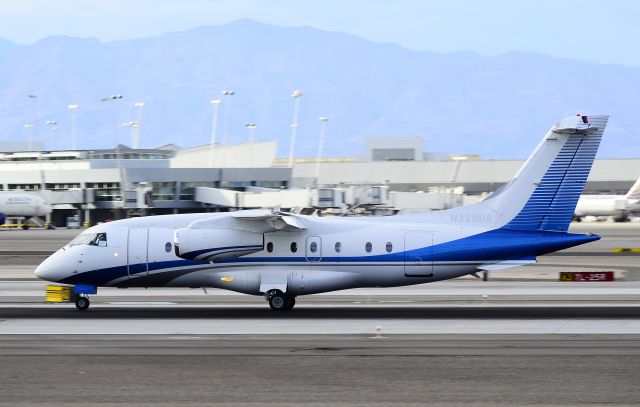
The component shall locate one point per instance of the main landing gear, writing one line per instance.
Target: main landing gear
(82, 303)
(279, 301)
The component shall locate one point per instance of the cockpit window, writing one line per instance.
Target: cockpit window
(82, 238)
(98, 239)
(92, 239)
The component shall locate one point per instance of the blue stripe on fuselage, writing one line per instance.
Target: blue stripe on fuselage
(196, 253)
(494, 245)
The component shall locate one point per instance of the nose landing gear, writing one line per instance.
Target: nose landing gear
(279, 301)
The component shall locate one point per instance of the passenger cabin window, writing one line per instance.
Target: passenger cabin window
(313, 247)
(368, 247)
(294, 247)
(338, 247)
(167, 247)
(270, 247)
(389, 247)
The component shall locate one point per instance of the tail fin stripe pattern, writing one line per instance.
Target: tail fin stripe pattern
(553, 201)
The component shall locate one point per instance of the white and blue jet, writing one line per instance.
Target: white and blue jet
(283, 255)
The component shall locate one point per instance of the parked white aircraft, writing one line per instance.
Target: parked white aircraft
(618, 206)
(22, 204)
(283, 255)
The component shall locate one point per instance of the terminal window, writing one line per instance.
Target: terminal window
(24, 187)
(163, 191)
(106, 191)
(62, 187)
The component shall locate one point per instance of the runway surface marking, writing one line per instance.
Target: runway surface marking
(324, 319)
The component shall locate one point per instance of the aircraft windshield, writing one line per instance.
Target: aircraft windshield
(91, 239)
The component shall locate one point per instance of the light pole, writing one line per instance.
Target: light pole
(52, 125)
(214, 129)
(252, 129)
(227, 93)
(135, 130)
(323, 130)
(34, 108)
(30, 127)
(134, 126)
(296, 95)
(114, 119)
(123, 180)
(73, 109)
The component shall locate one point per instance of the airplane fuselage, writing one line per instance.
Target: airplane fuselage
(330, 254)
(283, 255)
(606, 205)
(21, 204)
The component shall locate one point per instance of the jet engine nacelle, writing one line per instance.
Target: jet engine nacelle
(215, 244)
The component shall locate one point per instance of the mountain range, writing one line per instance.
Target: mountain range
(498, 107)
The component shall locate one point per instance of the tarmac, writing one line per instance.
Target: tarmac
(521, 338)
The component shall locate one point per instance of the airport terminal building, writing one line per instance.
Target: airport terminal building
(99, 185)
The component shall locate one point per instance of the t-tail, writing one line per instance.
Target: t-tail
(530, 215)
(543, 194)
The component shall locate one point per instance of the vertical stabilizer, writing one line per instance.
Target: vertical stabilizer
(544, 193)
(634, 192)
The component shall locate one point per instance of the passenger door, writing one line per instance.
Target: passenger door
(138, 252)
(418, 249)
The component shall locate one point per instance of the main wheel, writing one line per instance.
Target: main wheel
(278, 302)
(82, 303)
(290, 302)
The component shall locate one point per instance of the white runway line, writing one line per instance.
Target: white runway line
(189, 327)
(385, 305)
(141, 303)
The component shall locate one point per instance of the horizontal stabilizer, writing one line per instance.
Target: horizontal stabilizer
(507, 264)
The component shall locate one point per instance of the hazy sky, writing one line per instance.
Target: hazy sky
(601, 30)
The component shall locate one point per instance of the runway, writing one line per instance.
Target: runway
(168, 319)
(521, 338)
(339, 370)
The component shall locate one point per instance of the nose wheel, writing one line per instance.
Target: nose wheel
(278, 301)
(82, 303)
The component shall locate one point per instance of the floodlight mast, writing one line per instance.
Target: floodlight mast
(227, 105)
(296, 95)
(121, 171)
(30, 127)
(214, 129)
(252, 128)
(135, 130)
(73, 111)
(52, 124)
(323, 130)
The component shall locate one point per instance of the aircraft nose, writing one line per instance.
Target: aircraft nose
(47, 270)
(45, 209)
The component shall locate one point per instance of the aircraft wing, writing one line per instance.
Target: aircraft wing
(254, 220)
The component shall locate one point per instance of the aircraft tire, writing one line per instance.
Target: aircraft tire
(278, 302)
(290, 302)
(82, 303)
